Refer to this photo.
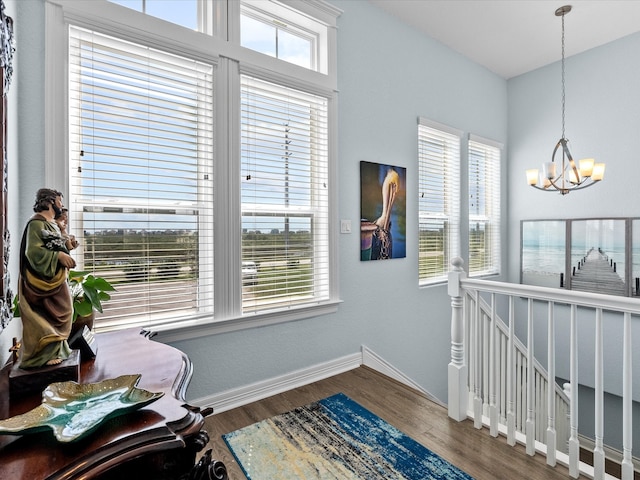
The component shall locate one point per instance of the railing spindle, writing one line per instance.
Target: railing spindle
(627, 402)
(531, 424)
(574, 443)
(493, 410)
(477, 399)
(511, 421)
(598, 451)
(551, 392)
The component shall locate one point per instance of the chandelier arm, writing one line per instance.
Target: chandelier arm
(572, 163)
(560, 142)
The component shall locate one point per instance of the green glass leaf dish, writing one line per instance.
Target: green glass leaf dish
(73, 410)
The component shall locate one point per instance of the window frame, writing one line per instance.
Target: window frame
(229, 59)
(452, 211)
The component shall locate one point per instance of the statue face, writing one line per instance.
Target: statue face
(57, 206)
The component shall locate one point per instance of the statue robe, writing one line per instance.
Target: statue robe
(46, 308)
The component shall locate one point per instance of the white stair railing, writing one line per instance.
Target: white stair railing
(495, 380)
(492, 353)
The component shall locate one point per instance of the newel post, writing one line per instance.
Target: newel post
(458, 389)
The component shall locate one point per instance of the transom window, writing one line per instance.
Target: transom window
(277, 37)
(266, 26)
(181, 12)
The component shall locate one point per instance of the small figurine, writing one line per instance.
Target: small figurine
(44, 297)
(63, 223)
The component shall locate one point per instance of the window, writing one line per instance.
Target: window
(484, 206)
(284, 194)
(276, 30)
(180, 12)
(141, 194)
(269, 27)
(438, 201)
(196, 171)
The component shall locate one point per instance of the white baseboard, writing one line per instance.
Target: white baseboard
(240, 396)
(237, 397)
(377, 363)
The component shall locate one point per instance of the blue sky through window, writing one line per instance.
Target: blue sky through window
(181, 12)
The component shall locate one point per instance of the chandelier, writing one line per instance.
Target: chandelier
(565, 177)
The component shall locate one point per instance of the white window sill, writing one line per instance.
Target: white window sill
(205, 326)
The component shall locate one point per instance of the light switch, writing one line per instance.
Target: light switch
(345, 226)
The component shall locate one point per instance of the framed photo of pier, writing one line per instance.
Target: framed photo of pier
(599, 255)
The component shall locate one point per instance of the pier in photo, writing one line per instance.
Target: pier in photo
(597, 273)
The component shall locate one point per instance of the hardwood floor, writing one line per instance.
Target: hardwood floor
(472, 450)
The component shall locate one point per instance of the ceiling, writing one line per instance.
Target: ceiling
(512, 37)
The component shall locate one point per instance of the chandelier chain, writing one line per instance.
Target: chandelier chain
(563, 82)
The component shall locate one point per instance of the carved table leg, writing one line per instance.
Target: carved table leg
(207, 468)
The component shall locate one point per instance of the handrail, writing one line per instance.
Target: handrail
(585, 299)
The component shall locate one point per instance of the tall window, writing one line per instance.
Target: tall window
(484, 206)
(284, 195)
(438, 199)
(141, 195)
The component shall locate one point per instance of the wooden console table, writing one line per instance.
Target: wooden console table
(157, 442)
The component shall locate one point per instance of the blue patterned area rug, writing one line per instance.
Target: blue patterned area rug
(334, 438)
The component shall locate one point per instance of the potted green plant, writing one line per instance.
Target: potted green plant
(88, 292)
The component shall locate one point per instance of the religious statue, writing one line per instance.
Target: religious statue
(44, 298)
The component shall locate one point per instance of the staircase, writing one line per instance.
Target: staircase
(495, 380)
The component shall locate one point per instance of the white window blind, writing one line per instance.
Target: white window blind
(284, 143)
(141, 163)
(438, 199)
(484, 206)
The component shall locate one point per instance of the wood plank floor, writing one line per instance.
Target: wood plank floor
(472, 450)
